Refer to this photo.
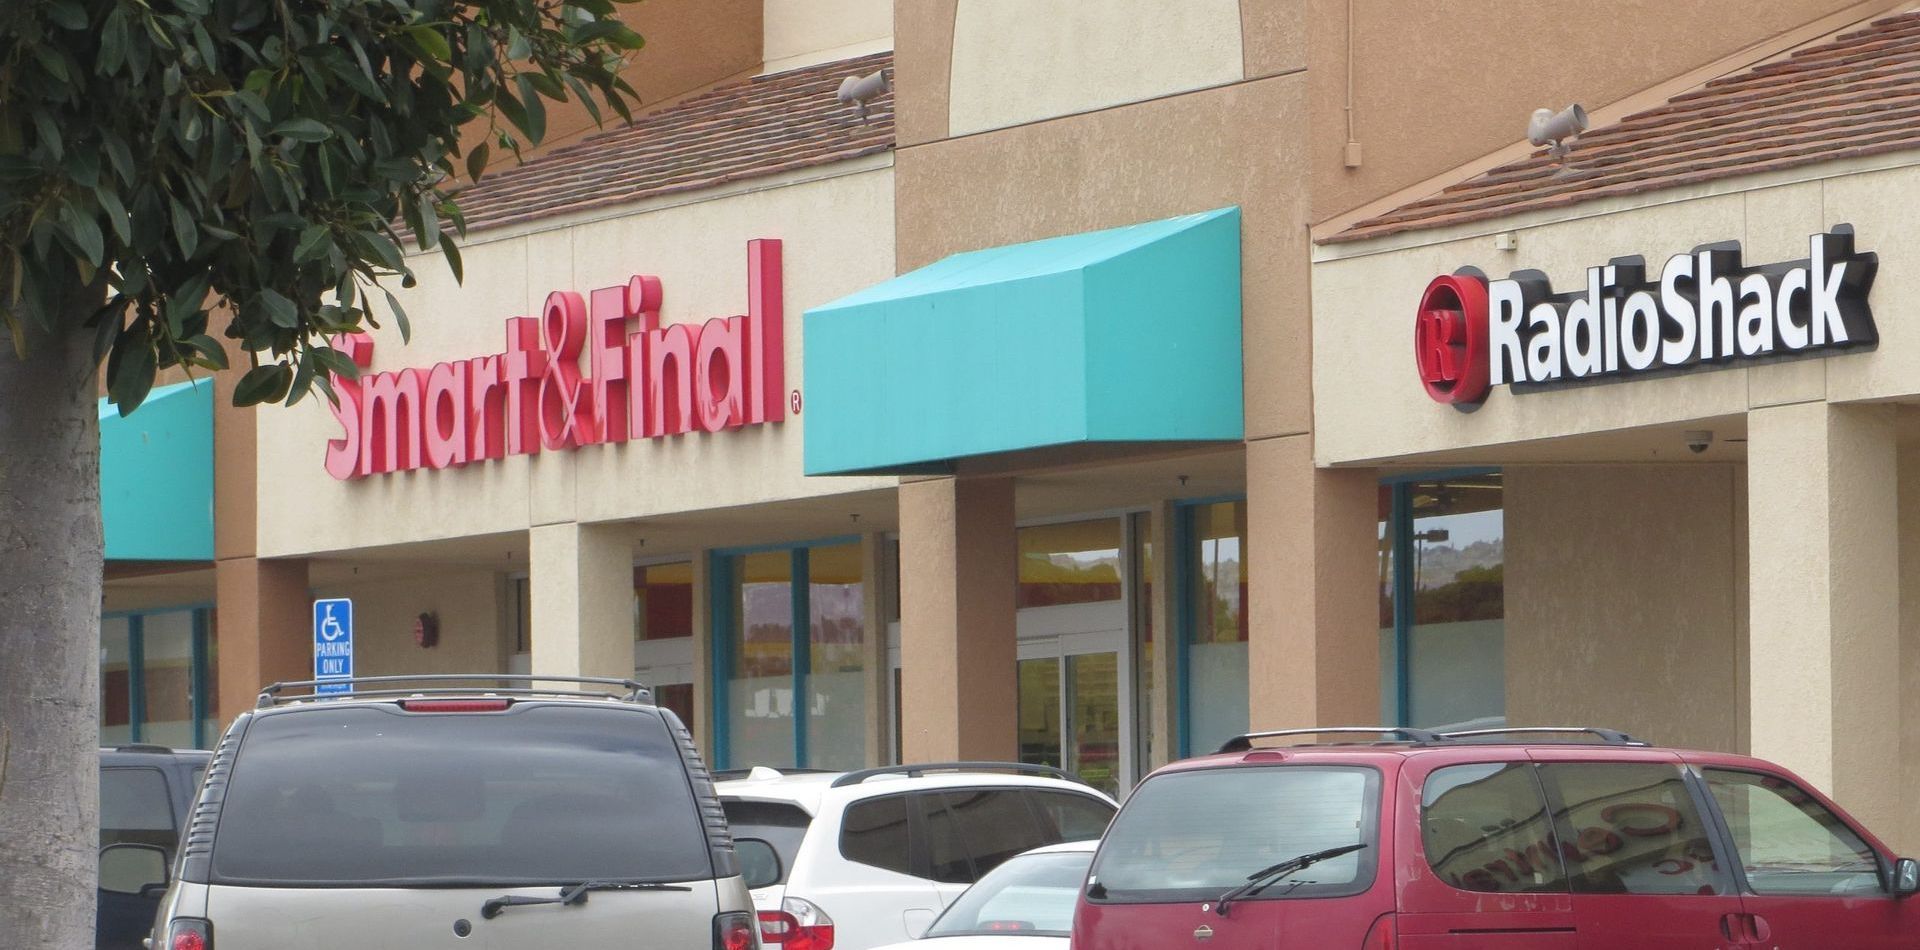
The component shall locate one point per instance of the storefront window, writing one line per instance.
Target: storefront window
(1447, 563)
(836, 669)
(1075, 563)
(819, 592)
(1214, 618)
(166, 670)
(663, 634)
(759, 695)
(156, 678)
(1143, 635)
(116, 681)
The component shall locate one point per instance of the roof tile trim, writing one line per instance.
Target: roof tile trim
(767, 125)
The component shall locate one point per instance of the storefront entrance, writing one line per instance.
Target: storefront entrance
(1074, 713)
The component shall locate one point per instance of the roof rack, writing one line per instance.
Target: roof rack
(1245, 742)
(729, 775)
(144, 747)
(631, 691)
(1608, 736)
(916, 771)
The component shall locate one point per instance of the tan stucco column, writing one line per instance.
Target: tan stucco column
(959, 680)
(1823, 571)
(265, 628)
(582, 596)
(1313, 652)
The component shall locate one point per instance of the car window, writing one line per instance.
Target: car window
(1030, 894)
(944, 840)
(1486, 828)
(1631, 828)
(991, 825)
(135, 807)
(538, 794)
(1074, 817)
(778, 824)
(874, 832)
(1789, 843)
(1192, 835)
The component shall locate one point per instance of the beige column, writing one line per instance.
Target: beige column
(1907, 840)
(703, 711)
(875, 577)
(958, 571)
(1823, 569)
(1314, 653)
(582, 596)
(264, 618)
(1162, 712)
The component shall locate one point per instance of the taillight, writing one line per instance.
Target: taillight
(1385, 935)
(188, 933)
(797, 925)
(454, 705)
(734, 931)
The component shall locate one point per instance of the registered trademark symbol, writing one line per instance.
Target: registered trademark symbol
(793, 401)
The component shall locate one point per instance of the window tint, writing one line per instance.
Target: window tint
(995, 824)
(1789, 843)
(777, 824)
(534, 795)
(874, 832)
(134, 807)
(1073, 817)
(1192, 835)
(1631, 829)
(1485, 828)
(945, 840)
(1031, 895)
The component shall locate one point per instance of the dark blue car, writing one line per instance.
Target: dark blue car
(145, 792)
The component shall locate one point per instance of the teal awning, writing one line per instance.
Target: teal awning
(1127, 335)
(156, 476)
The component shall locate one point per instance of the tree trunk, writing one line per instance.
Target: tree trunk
(50, 578)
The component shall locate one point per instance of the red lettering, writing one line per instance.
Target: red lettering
(766, 319)
(670, 377)
(525, 366)
(343, 454)
(566, 411)
(486, 409)
(718, 387)
(390, 421)
(446, 415)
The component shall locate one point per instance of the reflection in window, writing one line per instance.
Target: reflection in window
(760, 642)
(836, 673)
(166, 671)
(1076, 563)
(1485, 828)
(1215, 616)
(1442, 595)
(116, 682)
(1789, 843)
(156, 678)
(820, 593)
(1627, 828)
(663, 601)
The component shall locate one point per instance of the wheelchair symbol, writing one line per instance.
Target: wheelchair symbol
(330, 629)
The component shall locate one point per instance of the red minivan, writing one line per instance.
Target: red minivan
(1488, 839)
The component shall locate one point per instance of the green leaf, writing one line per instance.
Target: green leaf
(303, 130)
(477, 161)
(454, 263)
(336, 362)
(209, 349)
(399, 316)
(267, 383)
(84, 232)
(279, 309)
(536, 127)
(116, 213)
(67, 14)
(431, 42)
(314, 242)
(303, 378)
(131, 367)
(185, 230)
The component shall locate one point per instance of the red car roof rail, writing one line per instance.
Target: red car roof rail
(1607, 736)
(1401, 734)
(523, 684)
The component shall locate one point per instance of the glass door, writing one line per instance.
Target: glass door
(1074, 713)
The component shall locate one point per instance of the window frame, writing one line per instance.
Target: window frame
(1546, 805)
(200, 679)
(1400, 528)
(1725, 840)
(1185, 568)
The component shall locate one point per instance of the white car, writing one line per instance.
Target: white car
(851, 861)
(1025, 904)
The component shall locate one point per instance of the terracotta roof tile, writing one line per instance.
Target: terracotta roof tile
(762, 126)
(1858, 94)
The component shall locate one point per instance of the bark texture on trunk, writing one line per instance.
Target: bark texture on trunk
(50, 576)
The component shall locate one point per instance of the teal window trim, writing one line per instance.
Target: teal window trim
(1185, 565)
(722, 611)
(197, 696)
(136, 677)
(1400, 529)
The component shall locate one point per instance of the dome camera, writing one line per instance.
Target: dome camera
(1698, 440)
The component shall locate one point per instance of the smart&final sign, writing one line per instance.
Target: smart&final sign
(1706, 308)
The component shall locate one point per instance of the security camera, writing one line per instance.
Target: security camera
(1552, 128)
(1698, 440)
(861, 90)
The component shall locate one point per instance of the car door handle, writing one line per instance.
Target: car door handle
(1745, 929)
(1757, 928)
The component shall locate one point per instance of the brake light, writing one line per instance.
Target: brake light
(187, 933)
(734, 931)
(1385, 935)
(797, 925)
(454, 705)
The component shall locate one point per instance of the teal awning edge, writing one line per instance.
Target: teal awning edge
(156, 476)
(1126, 335)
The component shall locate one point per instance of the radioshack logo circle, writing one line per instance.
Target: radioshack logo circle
(1450, 339)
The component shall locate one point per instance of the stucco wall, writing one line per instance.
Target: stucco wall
(1369, 403)
(467, 602)
(1906, 840)
(1621, 587)
(804, 32)
(838, 235)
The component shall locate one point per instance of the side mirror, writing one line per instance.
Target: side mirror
(759, 863)
(1906, 877)
(129, 868)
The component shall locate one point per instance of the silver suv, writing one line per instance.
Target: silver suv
(422, 816)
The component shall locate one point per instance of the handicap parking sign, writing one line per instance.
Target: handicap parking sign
(333, 643)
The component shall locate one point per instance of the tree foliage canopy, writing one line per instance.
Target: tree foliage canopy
(168, 157)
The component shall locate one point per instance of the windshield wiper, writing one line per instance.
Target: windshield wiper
(570, 894)
(1268, 876)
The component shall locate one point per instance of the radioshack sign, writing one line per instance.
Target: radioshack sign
(1705, 308)
(652, 383)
